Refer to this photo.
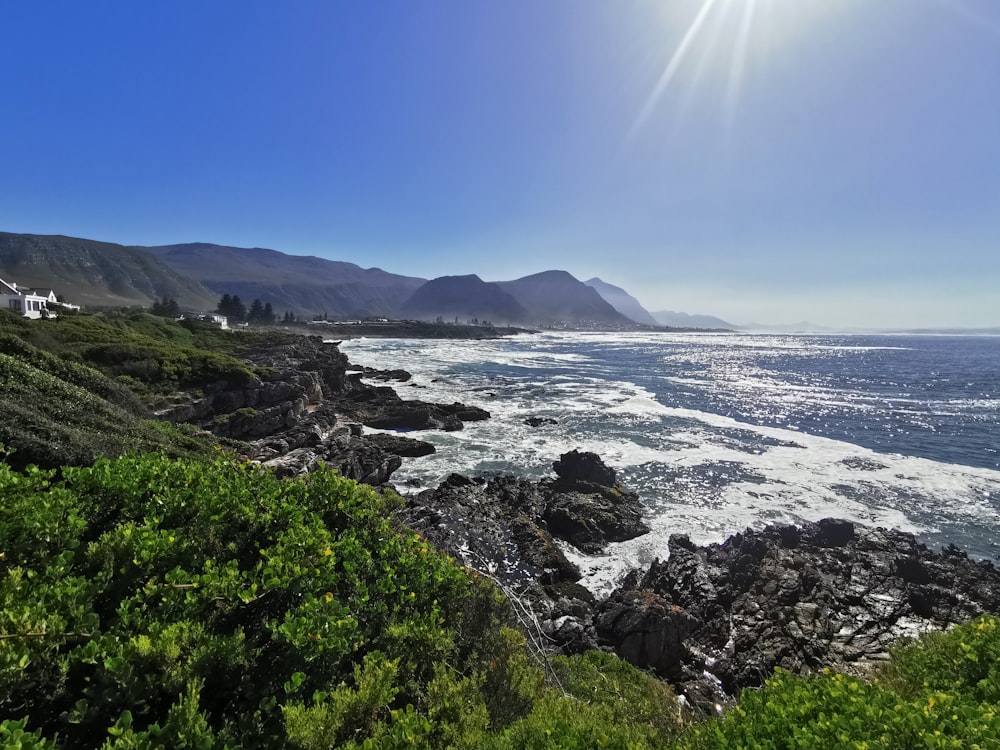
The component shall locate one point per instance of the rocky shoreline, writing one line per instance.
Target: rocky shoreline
(711, 619)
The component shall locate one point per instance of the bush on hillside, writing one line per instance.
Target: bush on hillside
(60, 413)
(148, 602)
(156, 354)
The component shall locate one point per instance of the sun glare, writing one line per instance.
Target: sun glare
(725, 34)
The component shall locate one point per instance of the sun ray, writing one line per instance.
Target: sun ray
(737, 69)
(671, 70)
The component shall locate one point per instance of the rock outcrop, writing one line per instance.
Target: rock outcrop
(829, 594)
(303, 406)
(587, 508)
(510, 529)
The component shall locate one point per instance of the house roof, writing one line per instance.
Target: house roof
(7, 287)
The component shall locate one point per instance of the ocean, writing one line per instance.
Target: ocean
(720, 432)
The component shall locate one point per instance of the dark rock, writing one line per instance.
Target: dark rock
(382, 408)
(401, 376)
(539, 421)
(506, 528)
(575, 467)
(586, 508)
(590, 521)
(302, 408)
(645, 629)
(358, 459)
(833, 532)
(354, 457)
(569, 623)
(457, 480)
(492, 526)
(834, 594)
(400, 446)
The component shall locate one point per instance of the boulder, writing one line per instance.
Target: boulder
(578, 467)
(645, 629)
(399, 445)
(586, 507)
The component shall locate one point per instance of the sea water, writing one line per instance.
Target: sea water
(720, 432)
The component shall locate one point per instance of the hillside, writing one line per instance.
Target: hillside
(305, 285)
(464, 298)
(558, 297)
(622, 301)
(88, 272)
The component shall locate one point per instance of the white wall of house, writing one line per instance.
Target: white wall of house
(24, 301)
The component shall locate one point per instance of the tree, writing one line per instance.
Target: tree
(166, 307)
(225, 305)
(269, 316)
(232, 307)
(256, 313)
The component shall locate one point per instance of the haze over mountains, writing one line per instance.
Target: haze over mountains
(465, 298)
(198, 274)
(684, 320)
(622, 301)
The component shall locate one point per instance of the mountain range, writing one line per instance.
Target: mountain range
(305, 285)
(96, 273)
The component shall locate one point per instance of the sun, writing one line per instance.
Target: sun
(728, 32)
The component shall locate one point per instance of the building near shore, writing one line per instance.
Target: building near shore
(30, 303)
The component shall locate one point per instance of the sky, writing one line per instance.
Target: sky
(830, 161)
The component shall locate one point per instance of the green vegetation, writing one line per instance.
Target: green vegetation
(78, 387)
(149, 602)
(940, 692)
(70, 388)
(156, 354)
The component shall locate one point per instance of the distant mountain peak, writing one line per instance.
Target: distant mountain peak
(464, 297)
(622, 301)
(558, 297)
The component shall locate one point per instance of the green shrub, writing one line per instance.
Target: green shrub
(963, 662)
(156, 603)
(939, 692)
(14, 736)
(158, 353)
(157, 589)
(51, 421)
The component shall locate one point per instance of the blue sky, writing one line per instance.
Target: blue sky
(836, 161)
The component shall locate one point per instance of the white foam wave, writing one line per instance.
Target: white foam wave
(699, 473)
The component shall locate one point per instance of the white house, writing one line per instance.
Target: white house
(25, 301)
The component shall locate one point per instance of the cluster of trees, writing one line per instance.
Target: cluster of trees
(230, 305)
(166, 307)
(258, 313)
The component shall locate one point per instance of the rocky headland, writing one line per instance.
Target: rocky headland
(305, 404)
(711, 619)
